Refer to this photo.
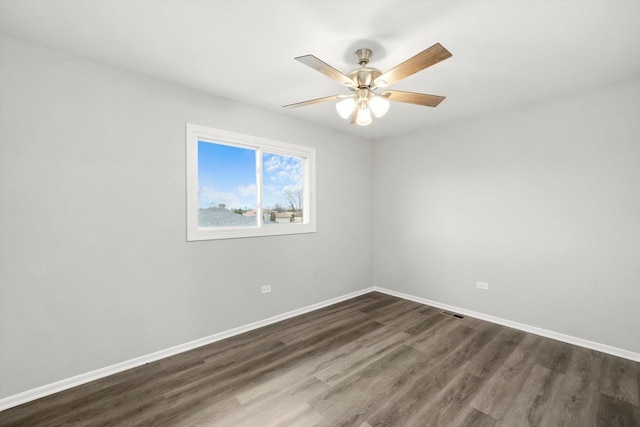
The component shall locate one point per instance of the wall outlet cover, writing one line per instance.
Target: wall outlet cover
(482, 285)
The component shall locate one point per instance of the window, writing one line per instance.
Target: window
(245, 186)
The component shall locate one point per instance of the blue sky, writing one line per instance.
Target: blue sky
(227, 175)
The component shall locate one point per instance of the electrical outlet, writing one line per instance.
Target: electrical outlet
(265, 289)
(482, 285)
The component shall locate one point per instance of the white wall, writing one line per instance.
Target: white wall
(95, 267)
(542, 202)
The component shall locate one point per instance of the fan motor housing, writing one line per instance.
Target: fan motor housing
(364, 76)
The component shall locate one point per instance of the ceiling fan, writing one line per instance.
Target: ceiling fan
(368, 84)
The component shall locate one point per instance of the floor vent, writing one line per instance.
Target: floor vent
(448, 313)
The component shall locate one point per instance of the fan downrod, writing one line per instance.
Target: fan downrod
(364, 76)
(363, 56)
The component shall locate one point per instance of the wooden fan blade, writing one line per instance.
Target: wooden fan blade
(325, 69)
(314, 101)
(413, 98)
(424, 59)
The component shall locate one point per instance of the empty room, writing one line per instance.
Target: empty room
(319, 213)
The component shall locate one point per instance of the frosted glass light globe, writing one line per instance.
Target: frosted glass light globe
(379, 105)
(345, 107)
(364, 117)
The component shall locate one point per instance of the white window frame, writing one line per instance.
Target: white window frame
(195, 133)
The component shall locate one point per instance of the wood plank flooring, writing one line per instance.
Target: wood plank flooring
(374, 360)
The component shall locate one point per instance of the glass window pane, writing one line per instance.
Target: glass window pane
(283, 192)
(243, 186)
(226, 186)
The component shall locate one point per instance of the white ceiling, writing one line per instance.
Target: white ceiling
(505, 53)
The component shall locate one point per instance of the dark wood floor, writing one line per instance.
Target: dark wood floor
(374, 360)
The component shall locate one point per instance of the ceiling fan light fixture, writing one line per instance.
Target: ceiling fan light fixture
(363, 82)
(379, 105)
(364, 116)
(345, 107)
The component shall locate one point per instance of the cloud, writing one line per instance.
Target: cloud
(282, 168)
(292, 188)
(247, 190)
(272, 162)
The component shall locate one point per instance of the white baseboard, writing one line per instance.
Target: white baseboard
(65, 384)
(626, 354)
